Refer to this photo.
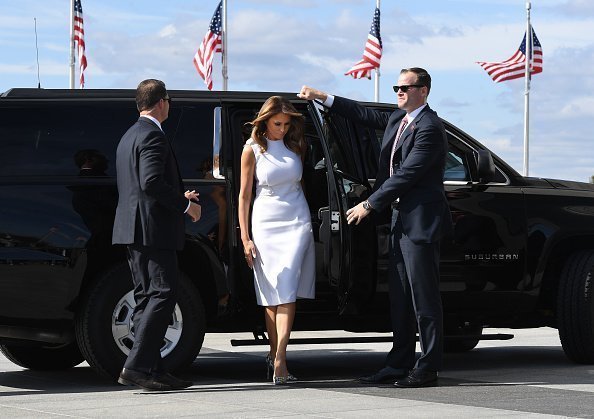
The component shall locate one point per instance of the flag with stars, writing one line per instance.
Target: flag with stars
(372, 53)
(515, 66)
(210, 45)
(79, 39)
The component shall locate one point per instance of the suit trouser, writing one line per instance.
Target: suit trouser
(155, 276)
(415, 302)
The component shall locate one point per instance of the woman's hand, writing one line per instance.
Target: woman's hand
(249, 251)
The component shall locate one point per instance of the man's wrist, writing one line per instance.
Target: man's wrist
(367, 206)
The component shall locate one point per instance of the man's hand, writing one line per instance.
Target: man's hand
(195, 211)
(309, 93)
(191, 195)
(356, 214)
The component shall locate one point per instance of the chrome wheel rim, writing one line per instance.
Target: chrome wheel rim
(122, 326)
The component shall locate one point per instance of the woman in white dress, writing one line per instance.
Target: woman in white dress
(280, 248)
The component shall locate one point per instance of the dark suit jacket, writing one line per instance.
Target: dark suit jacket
(419, 166)
(151, 203)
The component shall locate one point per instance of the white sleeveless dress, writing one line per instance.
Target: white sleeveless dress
(284, 268)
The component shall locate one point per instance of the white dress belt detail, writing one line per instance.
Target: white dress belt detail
(268, 190)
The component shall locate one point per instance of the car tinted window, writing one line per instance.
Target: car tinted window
(190, 129)
(42, 140)
(456, 167)
(339, 135)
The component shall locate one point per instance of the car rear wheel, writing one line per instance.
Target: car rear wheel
(575, 307)
(43, 358)
(105, 332)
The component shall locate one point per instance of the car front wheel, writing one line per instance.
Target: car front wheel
(575, 307)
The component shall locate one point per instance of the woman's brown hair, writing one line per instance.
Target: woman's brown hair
(293, 139)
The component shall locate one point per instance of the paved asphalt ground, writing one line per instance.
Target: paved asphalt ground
(528, 376)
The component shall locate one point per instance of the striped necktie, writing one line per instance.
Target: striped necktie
(401, 129)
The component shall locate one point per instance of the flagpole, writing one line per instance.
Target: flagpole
(527, 86)
(72, 44)
(224, 52)
(377, 71)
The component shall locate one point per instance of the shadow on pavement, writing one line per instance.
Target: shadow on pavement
(327, 369)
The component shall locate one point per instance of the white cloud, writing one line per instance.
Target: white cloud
(578, 8)
(168, 31)
(579, 107)
(15, 68)
(291, 3)
(48, 68)
(326, 62)
(501, 145)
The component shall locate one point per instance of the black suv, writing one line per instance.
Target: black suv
(522, 252)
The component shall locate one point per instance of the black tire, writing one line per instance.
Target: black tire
(44, 358)
(456, 342)
(98, 315)
(575, 307)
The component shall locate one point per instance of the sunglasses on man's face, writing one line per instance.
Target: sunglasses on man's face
(405, 87)
(168, 99)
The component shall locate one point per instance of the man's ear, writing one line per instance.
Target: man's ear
(426, 91)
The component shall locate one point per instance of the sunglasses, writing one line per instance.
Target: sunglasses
(168, 99)
(405, 88)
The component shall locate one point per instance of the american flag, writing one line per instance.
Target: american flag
(514, 67)
(79, 38)
(373, 51)
(209, 46)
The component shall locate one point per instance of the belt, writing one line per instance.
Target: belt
(275, 190)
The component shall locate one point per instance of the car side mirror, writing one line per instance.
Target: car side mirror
(485, 166)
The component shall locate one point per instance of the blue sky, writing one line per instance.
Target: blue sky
(279, 45)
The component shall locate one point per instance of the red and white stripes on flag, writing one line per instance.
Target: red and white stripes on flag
(79, 38)
(210, 45)
(372, 53)
(515, 66)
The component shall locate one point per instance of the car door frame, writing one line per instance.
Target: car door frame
(350, 254)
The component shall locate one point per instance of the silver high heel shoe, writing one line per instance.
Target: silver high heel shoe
(270, 371)
(279, 380)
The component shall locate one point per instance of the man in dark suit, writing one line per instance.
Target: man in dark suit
(150, 221)
(410, 181)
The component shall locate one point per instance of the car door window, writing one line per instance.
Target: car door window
(190, 130)
(456, 168)
(338, 134)
(461, 163)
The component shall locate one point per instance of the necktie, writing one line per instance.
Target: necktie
(401, 129)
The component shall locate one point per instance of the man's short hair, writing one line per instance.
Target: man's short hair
(423, 77)
(148, 93)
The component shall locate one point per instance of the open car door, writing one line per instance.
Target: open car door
(350, 251)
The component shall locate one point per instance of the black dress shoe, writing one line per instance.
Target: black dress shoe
(173, 381)
(143, 380)
(385, 375)
(418, 378)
